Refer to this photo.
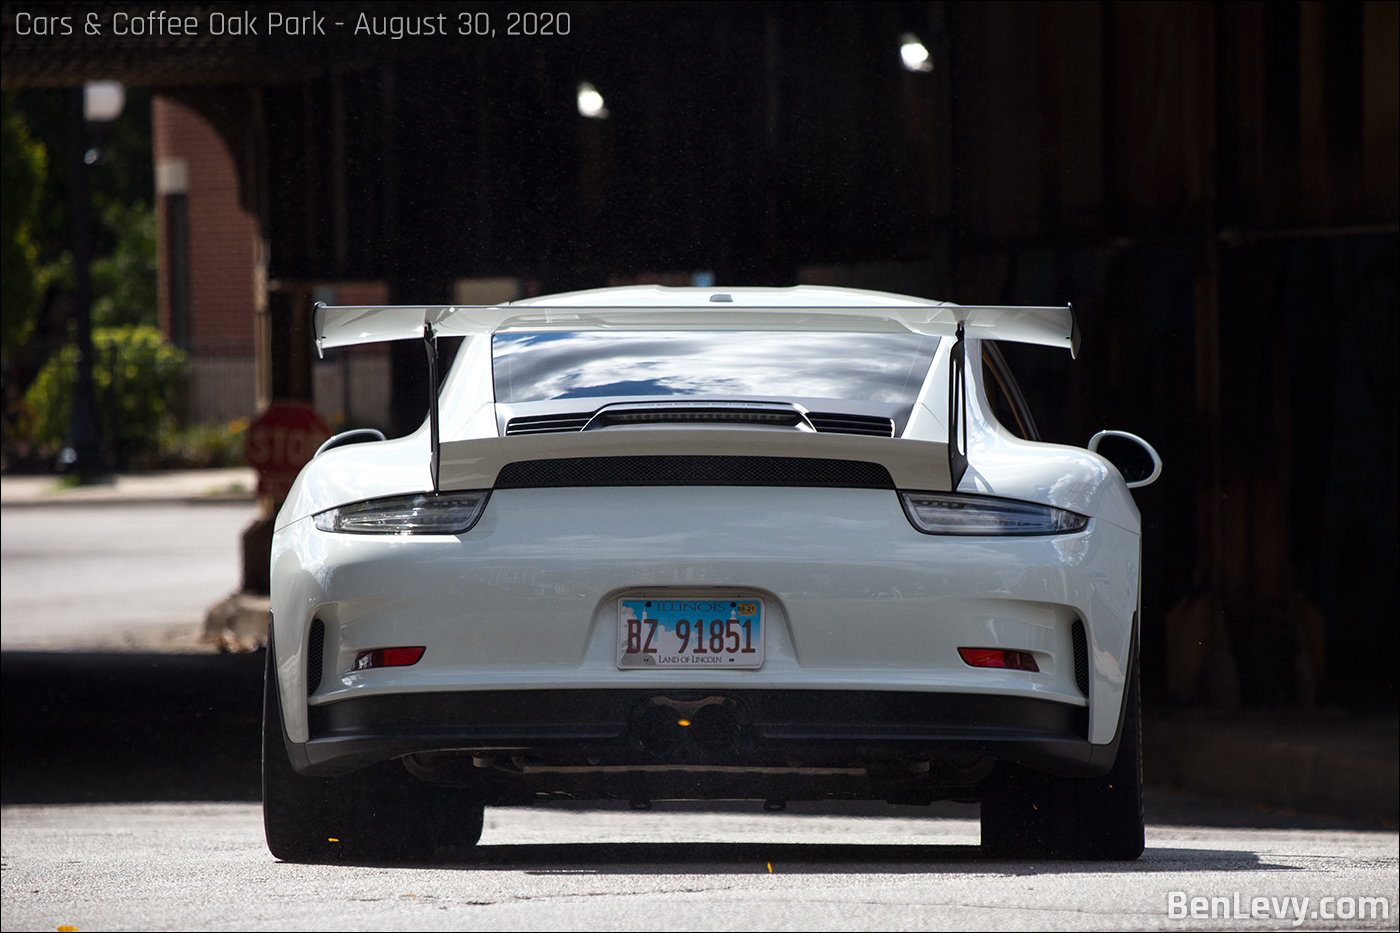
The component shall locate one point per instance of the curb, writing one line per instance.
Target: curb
(238, 623)
(107, 501)
(185, 487)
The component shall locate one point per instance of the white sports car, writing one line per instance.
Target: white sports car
(679, 543)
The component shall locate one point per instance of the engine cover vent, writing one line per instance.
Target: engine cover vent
(837, 423)
(768, 416)
(825, 422)
(548, 424)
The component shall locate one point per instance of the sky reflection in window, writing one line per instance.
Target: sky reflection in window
(869, 367)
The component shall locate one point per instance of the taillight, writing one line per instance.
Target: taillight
(947, 513)
(447, 513)
(1000, 657)
(387, 657)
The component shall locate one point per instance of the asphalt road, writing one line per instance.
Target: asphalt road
(115, 576)
(167, 731)
(204, 866)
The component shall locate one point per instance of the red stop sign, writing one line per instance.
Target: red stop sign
(280, 442)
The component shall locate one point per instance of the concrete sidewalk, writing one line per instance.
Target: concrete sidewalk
(235, 483)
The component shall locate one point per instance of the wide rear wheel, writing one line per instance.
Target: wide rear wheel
(382, 813)
(1027, 814)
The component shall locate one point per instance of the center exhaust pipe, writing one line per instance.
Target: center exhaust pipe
(709, 728)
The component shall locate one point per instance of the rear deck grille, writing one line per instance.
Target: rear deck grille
(693, 471)
(824, 422)
(766, 417)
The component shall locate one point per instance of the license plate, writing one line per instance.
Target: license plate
(714, 633)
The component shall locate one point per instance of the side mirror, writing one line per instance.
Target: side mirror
(1132, 455)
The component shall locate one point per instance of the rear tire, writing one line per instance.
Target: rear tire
(1027, 814)
(382, 813)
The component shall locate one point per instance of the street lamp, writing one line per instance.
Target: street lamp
(913, 54)
(95, 102)
(590, 102)
(103, 101)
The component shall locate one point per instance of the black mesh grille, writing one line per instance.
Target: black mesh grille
(824, 422)
(316, 720)
(835, 423)
(693, 471)
(315, 648)
(698, 414)
(1081, 657)
(548, 424)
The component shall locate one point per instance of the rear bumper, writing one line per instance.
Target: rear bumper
(573, 739)
(854, 599)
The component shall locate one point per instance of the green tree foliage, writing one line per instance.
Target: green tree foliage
(38, 268)
(23, 167)
(136, 373)
(123, 172)
(124, 280)
(122, 189)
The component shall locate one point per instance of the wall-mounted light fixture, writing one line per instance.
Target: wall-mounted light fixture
(590, 102)
(913, 55)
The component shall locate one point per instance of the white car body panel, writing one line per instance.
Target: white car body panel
(504, 611)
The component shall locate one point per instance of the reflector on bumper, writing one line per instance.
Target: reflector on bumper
(1000, 657)
(388, 657)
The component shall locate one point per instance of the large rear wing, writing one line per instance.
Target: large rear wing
(356, 324)
(639, 308)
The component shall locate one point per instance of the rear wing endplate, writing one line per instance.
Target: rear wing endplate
(867, 312)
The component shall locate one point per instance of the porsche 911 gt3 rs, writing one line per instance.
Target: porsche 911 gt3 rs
(678, 543)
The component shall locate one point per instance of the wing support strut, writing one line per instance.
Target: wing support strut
(957, 411)
(430, 345)
(429, 337)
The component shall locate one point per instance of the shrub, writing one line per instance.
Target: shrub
(135, 374)
(203, 445)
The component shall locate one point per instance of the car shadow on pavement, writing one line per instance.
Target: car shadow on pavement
(104, 727)
(680, 858)
(107, 727)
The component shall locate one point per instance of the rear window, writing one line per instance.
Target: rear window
(869, 367)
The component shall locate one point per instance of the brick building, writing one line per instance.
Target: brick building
(206, 244)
